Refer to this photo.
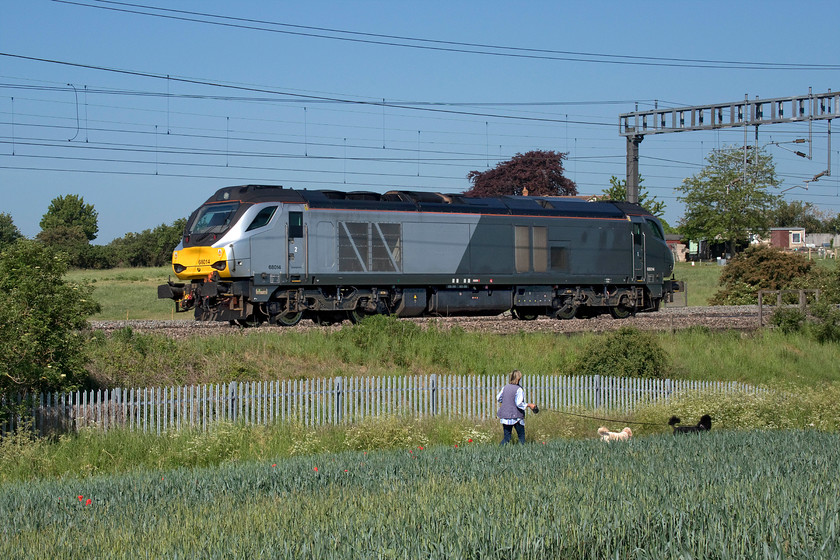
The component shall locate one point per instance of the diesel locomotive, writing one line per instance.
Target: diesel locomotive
(252, 254)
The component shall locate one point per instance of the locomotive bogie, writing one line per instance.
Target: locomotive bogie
(280, 255)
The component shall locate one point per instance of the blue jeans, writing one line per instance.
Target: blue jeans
(507, 431)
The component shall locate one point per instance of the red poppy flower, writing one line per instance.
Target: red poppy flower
(81, 498)
(469, 440)
(274, 465)
(88, 502)
(316, 469)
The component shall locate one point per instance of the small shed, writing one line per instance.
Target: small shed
(787, 238)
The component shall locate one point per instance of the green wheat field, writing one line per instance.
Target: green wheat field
(747, 494)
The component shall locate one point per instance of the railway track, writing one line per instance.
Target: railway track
(743, 317)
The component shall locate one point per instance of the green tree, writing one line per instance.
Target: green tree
(41, 346)
(70, 240)
(618, 191)
(800, 214)
(8, 230)
(831, 224)
(71, 211)
(151, 247)
(726, 202)
(535, 173)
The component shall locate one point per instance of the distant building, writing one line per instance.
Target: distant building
(791, 238)
(678, 248)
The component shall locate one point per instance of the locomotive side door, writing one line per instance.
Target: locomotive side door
(296, 238)
(638, 241)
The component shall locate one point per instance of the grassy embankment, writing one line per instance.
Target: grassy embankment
(130, 359)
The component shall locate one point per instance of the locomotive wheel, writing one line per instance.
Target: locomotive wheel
(620, 311)
(289, 318)
(566, 312)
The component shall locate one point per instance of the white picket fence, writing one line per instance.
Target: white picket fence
(314, 402)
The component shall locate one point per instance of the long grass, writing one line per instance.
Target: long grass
(90, 452)
(701, 280)
(765, 357)
(656, 497)
(129, 293)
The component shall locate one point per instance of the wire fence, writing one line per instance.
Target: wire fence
(327, 401)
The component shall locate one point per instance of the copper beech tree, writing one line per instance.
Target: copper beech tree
(535, 173)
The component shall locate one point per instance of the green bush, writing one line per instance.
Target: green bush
(759, 267)
(788, 320)
(827, 327)
(383, 338)
(41, 348)
(824, 325)
(627, 352)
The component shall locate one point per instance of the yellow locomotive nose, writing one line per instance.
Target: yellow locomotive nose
(195, 263)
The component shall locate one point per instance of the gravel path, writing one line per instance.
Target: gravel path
(742, 317)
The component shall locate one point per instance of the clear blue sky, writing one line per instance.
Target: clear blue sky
(292, 93)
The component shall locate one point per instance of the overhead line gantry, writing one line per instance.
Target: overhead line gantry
(749, 112)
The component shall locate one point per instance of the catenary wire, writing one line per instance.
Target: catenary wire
(445, 46)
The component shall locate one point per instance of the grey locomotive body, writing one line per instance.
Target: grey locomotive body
(260, 253)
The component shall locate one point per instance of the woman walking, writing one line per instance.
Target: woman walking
(512, 410)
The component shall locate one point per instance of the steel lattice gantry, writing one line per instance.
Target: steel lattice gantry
(636, 125)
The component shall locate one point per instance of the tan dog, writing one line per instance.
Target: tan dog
(607, 435)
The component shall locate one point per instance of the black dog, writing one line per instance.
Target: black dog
(704, 425)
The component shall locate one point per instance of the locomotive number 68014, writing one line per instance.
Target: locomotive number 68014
(255, 253)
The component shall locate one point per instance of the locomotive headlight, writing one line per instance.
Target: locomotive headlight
(179, 268)
(219, 265)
